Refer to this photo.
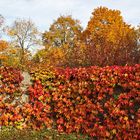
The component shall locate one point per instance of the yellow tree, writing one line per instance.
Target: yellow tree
(25, 35)
(64, 30)
(63, 56)
(10, 55)
(51, 57)
(61, 41)
(110, 40)
(14, 57)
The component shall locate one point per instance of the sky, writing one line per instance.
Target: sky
(44, 12)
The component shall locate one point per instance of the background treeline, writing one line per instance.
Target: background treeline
(107, 40)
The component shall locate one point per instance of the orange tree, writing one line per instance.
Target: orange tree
(62, 44)
(62, 56)
(110, 40)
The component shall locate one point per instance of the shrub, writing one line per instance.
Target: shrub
(100, 102)
(10, 93)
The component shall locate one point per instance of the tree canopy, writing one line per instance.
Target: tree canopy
(24, 34)
(64, 30)
(111, 40)
(107, 40)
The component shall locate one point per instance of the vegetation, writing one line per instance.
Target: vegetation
(85, 83)
(79, 100)
(111, 41)
(9, 133)
(107, 40)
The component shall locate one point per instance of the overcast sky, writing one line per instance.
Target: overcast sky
(43, 12)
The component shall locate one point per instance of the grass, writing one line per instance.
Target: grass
(10, 133)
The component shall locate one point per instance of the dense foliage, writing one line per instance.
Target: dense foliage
(83, 81)
(110, 40)
(100, 102)
(10, 96)
(107, 40)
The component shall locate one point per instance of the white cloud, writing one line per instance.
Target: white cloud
(43, 12)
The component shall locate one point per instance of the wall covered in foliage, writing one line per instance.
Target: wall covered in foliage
(100, 102)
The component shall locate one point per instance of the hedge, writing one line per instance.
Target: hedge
(100, 102)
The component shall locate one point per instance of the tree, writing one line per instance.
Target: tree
(76, 57)
(64, 30)
(50, 57)
(3, 45)
(61, 42)
(62, 56)
(10, 55)
(25, 35)
(109, 39)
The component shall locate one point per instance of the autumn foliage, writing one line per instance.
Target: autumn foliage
(110, 41)
(100, 102)
(107, 40)
(83, 81)
(10, 96)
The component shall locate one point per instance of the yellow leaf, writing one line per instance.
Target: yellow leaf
(41, 97)
(125, 118)
(114, 131)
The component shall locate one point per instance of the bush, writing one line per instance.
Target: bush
(100, 102)
(10, 93)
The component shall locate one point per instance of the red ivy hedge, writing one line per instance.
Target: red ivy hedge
(10, 80)
(100, 102)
